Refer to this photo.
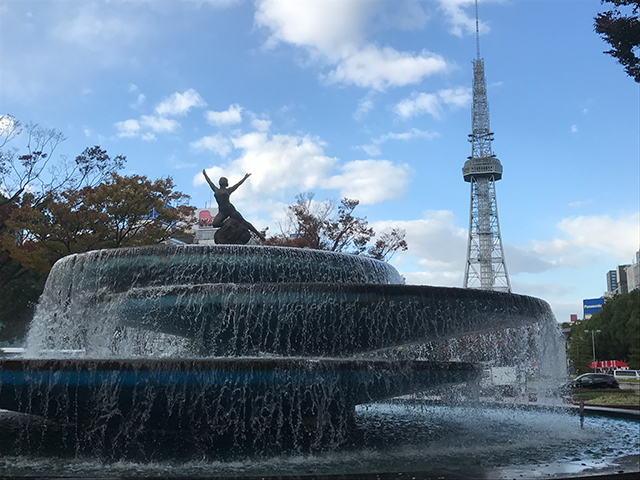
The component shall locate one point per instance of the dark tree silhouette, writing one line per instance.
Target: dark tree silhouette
(622, 32)
(327, 226)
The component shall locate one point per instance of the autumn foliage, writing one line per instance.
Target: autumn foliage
(323, 226)
(120, 212)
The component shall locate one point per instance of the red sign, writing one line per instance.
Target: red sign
(205, 219)
(610, 364)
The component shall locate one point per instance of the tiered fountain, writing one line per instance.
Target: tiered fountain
(223, 347)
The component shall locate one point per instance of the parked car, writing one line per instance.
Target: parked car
(628, 374)
(593, 380)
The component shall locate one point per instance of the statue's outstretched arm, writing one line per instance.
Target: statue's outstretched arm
(233, 189)
(211, 184)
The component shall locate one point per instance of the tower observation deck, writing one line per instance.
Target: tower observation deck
(485, 268)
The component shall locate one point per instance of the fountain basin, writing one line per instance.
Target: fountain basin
(240, 301)
(119, 270)
(218, 346)
(316, 319)
(219, 397)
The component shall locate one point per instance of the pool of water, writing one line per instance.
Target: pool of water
(389, 438)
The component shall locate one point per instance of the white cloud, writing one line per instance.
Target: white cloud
(619, 238)
(365, 105)
(459, 97)
(460, 21)
(158, 124)
(179, 164)
(417, 104)
(216, 3)
(335, 33)
(284, 164)
(279, 162)
(139, 101)
(413, 133)
(128, 128)
(7, 123)
(180, 103)
(574, 129)
(435, 244)
(230, 116)
(433, 103)
(320, 25)
(381, 68)
(373, 149)
(371, 181)
(585, 241)
(95, 30)
(438, 247)
(148, 125)
(215, 143)
(261, 125)
(580, 203)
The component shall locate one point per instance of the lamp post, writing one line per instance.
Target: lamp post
(593, 343)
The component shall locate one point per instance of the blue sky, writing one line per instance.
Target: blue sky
(368, 99)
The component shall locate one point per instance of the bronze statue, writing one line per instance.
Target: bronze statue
(225, 208)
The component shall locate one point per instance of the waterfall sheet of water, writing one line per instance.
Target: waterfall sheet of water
(441, 441)
(130, 337)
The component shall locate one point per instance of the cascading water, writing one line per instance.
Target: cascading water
(198, 352)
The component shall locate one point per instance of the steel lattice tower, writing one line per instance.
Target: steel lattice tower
(485, 268)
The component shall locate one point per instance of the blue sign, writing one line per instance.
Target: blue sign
(592, 305)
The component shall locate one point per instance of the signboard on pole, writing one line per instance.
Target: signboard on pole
(592, 305)
(205, 218)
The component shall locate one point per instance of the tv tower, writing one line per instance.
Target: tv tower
(485, 268)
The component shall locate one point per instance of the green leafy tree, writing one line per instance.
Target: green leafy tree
(622, 32)
(619, 336)
(579, 349)
(323, 226)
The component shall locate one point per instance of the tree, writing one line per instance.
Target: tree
(18, 299)
(33, 176)
(322, 226)
(20, 287)
(137, 211)
(119, 212)
(17, 172)
(619, 336)
(388, 243)
(622, 32)
(30, 181)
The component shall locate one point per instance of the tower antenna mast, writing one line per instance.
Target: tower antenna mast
(477, 34)
(485, 267)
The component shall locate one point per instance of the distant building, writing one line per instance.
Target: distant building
(624, 278)
(621, 272)
(612, 281)
(633, 274)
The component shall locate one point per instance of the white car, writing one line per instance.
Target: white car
(627, 374)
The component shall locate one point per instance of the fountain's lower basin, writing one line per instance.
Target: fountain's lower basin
(216, 395)
(388, 441)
